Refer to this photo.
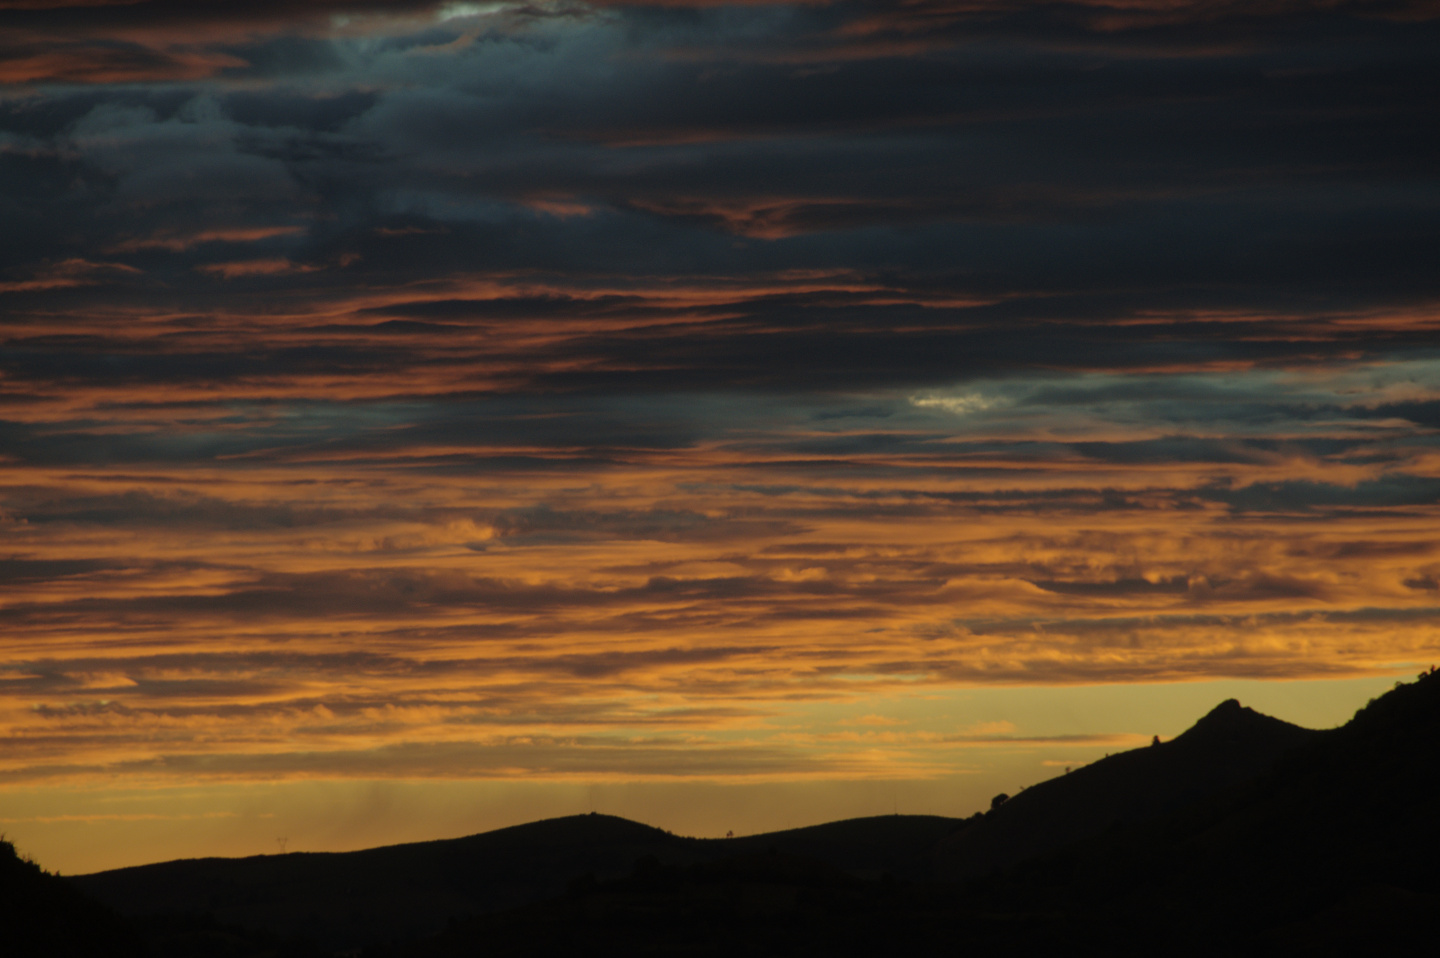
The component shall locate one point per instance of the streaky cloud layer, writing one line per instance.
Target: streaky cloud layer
(575, 392)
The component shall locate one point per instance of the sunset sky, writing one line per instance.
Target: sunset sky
(420, 418)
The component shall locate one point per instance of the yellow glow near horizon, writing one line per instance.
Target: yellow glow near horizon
(979, 742)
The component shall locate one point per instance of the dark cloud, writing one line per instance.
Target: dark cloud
(1239, 175)
(15, 571)
(1302, 495)
(537, 756)
(390, 593)
(183, 509)
(1173, 586)
(545, 524)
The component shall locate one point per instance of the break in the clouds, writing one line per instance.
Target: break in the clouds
(551, 389)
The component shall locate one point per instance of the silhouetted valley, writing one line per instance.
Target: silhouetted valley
(1243, 835)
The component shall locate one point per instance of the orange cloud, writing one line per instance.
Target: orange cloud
(256, 267)
(178, 242)
(68, 273)
(99, 65)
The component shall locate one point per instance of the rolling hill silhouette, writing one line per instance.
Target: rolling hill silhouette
(1328, 847)
(43, 915)
(1243, 835)
(1229, 746)
(346, 900)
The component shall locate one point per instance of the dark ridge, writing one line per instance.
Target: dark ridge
(1334, 851)
(766, 903)
(1331, 851)
(43, 916)
(1227, 747)
(1245, 835)
(895, 845)
(345, 900)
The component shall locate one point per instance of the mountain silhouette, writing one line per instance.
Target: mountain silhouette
(1277, 841)
(1334, 851)
(346, 900)
(43, 915)
(1229, 746)
(1245, 835)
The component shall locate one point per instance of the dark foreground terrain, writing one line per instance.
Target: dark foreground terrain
(1245, 835)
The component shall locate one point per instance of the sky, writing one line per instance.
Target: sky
(420, 418)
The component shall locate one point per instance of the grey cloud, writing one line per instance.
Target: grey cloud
(185, 509)
(405, 592)
(979, 144)
(258, 682)
(1161, 627)
(538, 755)
(545, 524)
(1177, 585)
(1181, 449)
(1305, 495)
(17, 570)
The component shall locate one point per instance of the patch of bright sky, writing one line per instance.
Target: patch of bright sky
(80, 829)
(1238, 403)
(479, 56)
(1143, 709)
(453, 11)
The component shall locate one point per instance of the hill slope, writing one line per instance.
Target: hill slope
(1331, 851)
(1229, 746)
(1335, 851)
(349, 899)
(42, 915)
(352, 899)
(1244, 835)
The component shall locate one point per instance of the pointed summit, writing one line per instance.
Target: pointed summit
(1231, 715)
(1232, 725)
(1230, 745)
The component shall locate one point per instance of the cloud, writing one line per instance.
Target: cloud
(580, 390)
(1302, 495)
(958, 405)
(254, 267)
